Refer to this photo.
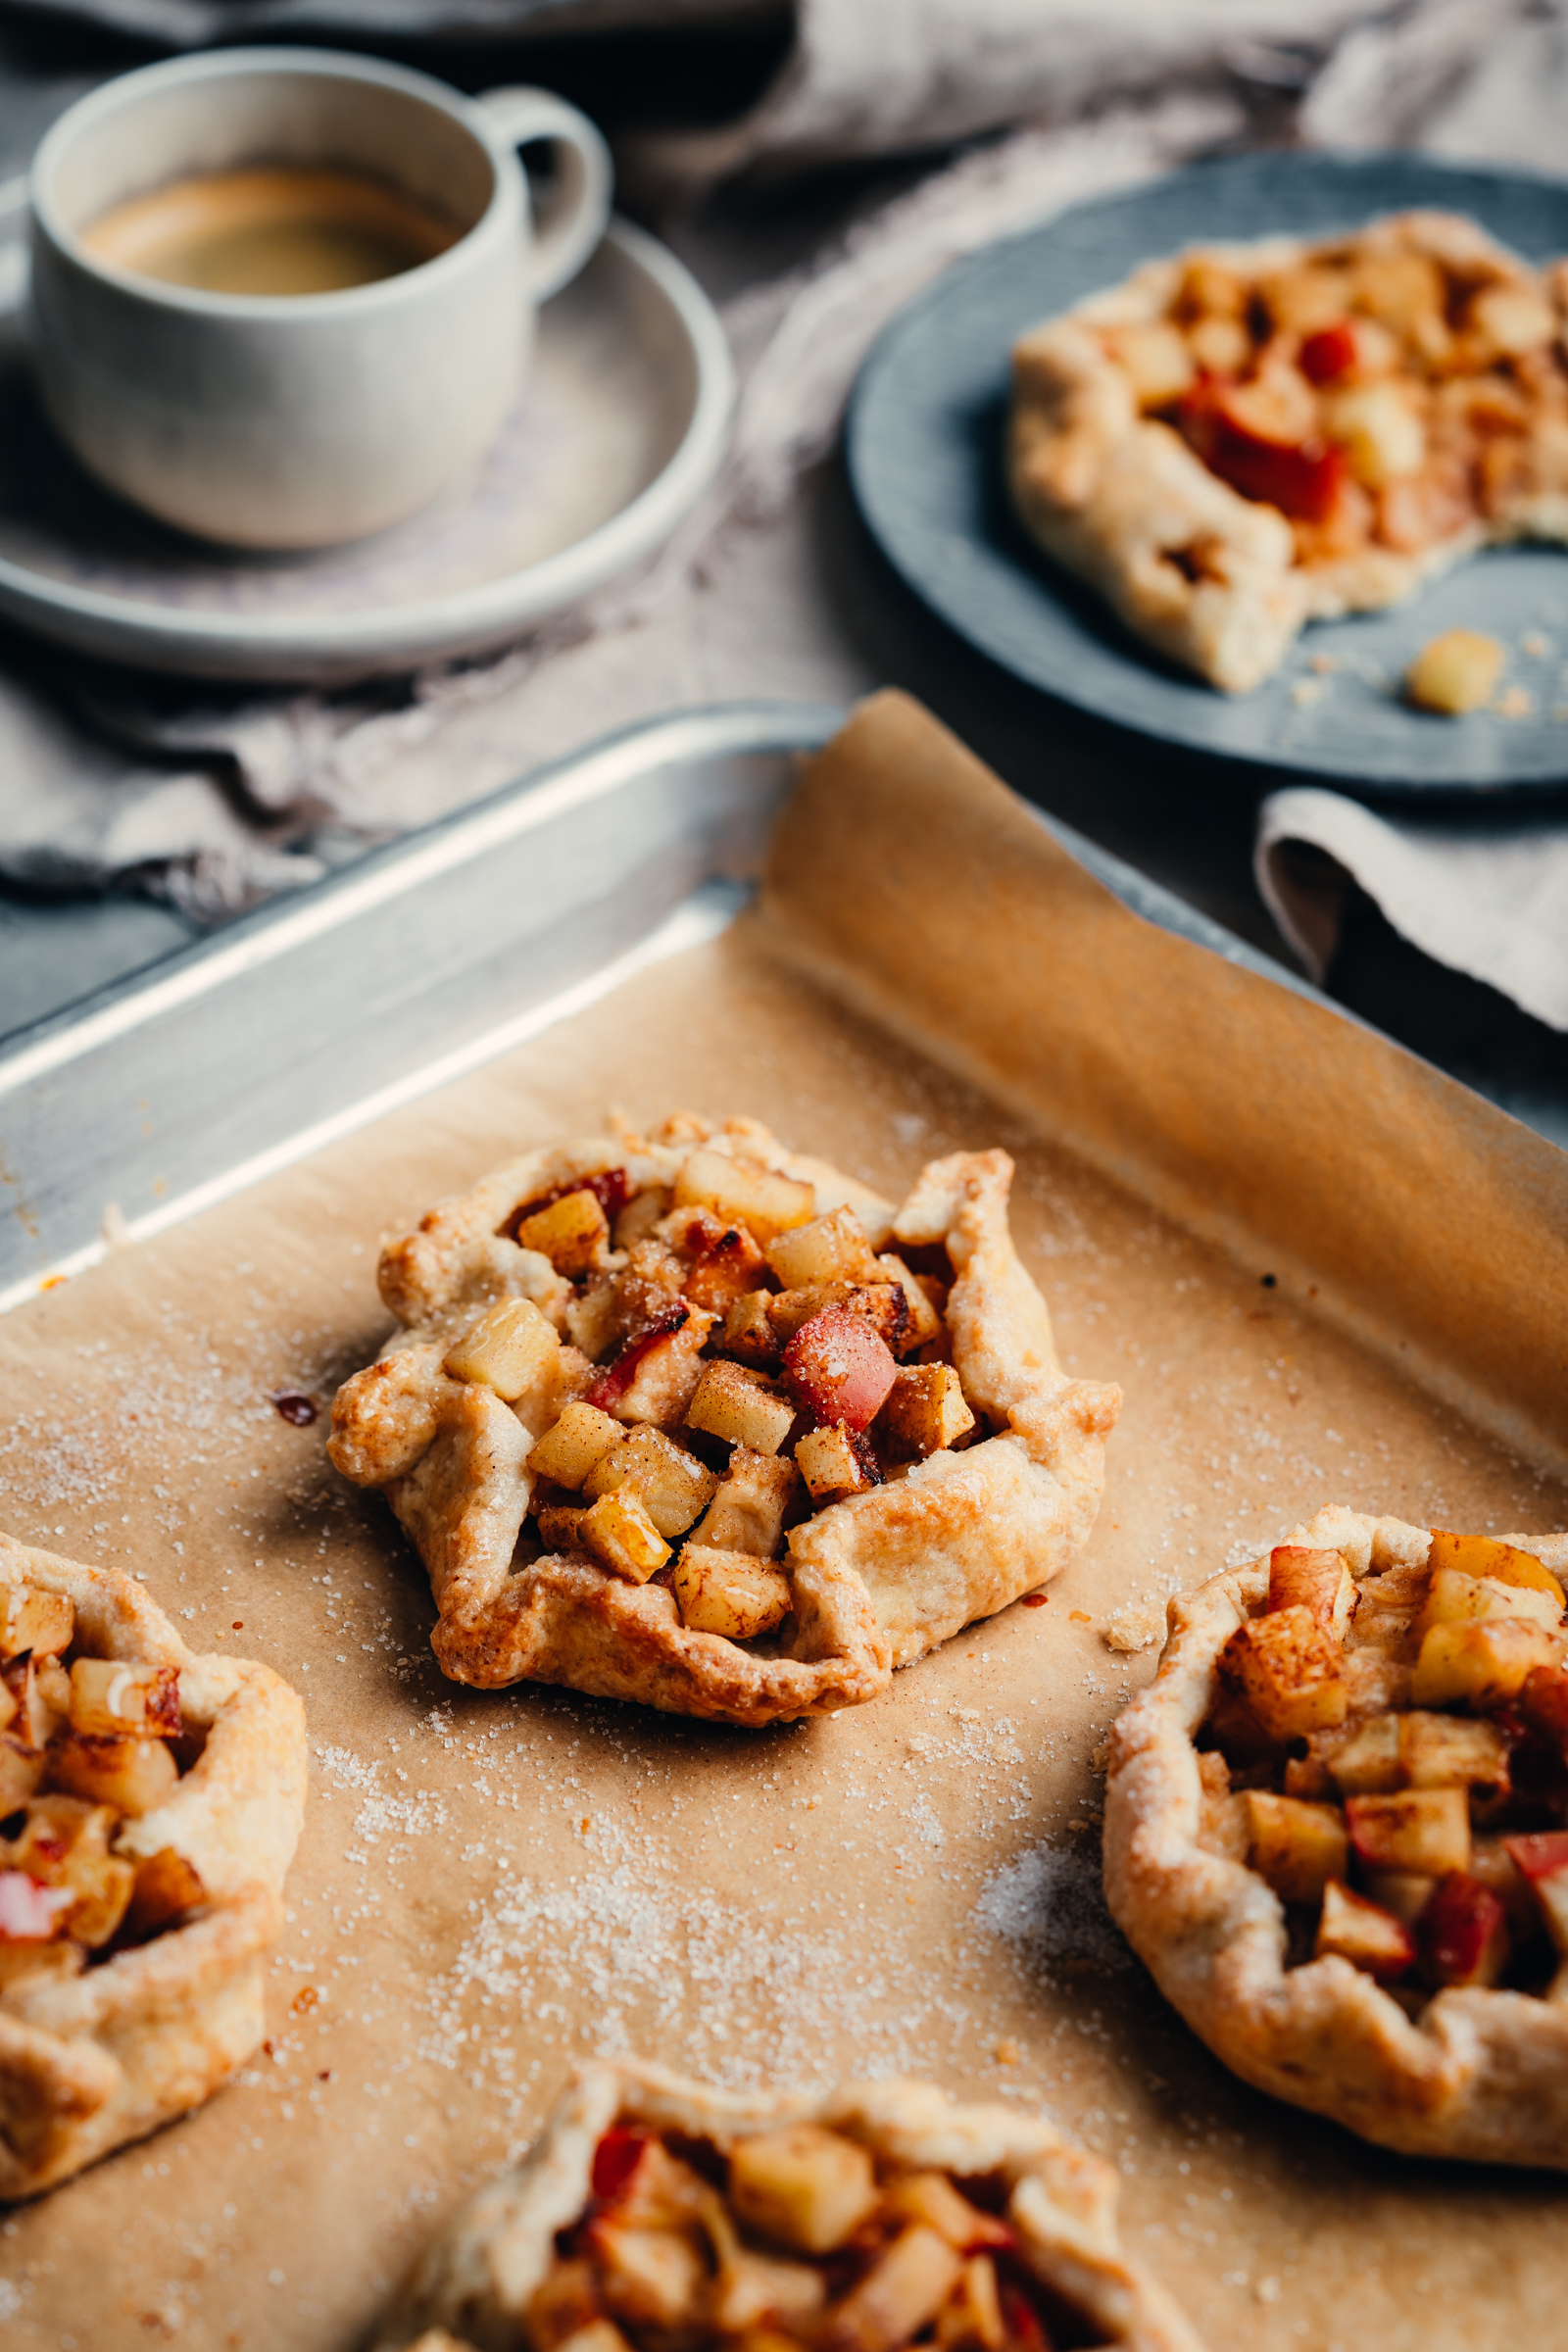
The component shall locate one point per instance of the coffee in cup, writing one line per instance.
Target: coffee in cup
(283, 298)
(277, 229)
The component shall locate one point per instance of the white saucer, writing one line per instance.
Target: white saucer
(618, 432)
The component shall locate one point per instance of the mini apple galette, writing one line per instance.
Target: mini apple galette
(658, 2215)
(1337, 1832)
(1242, 438)
(150, 1803)
(697, 1421)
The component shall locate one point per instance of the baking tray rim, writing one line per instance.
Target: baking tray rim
(571, 783)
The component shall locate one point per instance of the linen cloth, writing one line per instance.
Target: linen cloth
(213, 802)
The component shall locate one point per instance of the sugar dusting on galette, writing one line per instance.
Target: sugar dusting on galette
(150, 1803)
(1337, 1832)
(697, 1420)
(660, 2214)
(1242, 438)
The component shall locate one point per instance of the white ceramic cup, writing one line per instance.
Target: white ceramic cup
(298, 421)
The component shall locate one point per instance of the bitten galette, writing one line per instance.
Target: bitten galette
(657, 2214)
(150, 1803)
(698, 1421)
(1242, 438)
(1337, 1832)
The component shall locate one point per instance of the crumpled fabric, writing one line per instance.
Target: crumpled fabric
(216, 803)
(1487, 897)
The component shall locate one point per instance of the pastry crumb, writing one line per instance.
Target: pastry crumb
(1307, 690)
(1515, 701)
(1456, 673)
(1535, 644)
(1325, 665)
(1130, 1629)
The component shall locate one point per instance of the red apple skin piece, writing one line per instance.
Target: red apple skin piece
(616, 2160)
(1541, 1706)
(839, 1369)
(615, 1377)
(1329, 354)
(1301, 478)
(1541, 1857)
(1461, 1938)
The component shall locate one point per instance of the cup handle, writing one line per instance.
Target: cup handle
(14, 209)
(583, 213)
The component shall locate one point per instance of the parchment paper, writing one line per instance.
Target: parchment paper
(493, 1884)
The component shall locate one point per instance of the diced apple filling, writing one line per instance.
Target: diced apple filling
(1461, 1937)
(1483, 1661)
(731, 1592)
(725, 1271)
(835, 1462)
(1364, 1933)
(830, 1248)
(1318, 1581)
(1288, 1672)
(136, 1775)
(574, 1233)
(734, 1310)
(617, 1530)
(508, 1348)
(579, 1439)
(1455, 1598)
(671, 1485)
(779, 2241)
(1296, 1847)
(899, 2294)
(805, 2189)
(1425, 1830)
(931, 2198)
(1435, 1871)
(747, 1512)
(1484, 1555)
(743, 1192)
(35, 1620)
(925, 1410)
(741, 1406)
(110, 1699)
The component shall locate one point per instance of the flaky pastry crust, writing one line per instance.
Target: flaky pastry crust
(92, 2061)
(1482, 2075)
(473, 2285)
(1207, 576)
(876, 1578)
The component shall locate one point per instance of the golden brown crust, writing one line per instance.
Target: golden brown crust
(1481, 2076)
(877, 1580)
(1114, 494)
(476, 2281)
(90, 2061)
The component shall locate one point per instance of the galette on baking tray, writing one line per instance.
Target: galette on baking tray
(1337, 1832)
(697, 1420)
(658, 2212)
(1242, 438)
(150, 1803)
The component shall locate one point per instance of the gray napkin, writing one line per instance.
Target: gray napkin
(1485, 897)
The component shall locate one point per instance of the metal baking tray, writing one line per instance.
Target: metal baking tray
(183, 1080)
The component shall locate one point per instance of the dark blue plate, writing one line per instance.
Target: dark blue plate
(925, 433)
